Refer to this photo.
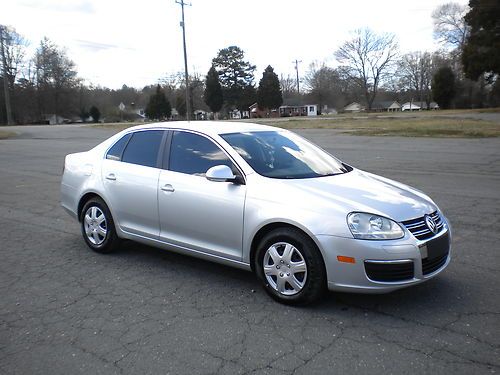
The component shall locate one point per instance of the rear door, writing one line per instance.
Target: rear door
(196, 213)
(130, 174)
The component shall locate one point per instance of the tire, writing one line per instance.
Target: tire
(98, 227)
(290, 266)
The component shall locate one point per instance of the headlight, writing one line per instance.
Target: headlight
(373, 227)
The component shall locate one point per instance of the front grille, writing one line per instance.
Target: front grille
(389, 272)
(437, 251)
(419, 228)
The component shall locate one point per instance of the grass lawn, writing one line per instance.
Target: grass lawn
(443, 123)
(409, 127)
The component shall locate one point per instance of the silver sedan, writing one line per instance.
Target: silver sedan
(258, 198)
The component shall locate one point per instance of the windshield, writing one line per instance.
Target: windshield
(278, 154)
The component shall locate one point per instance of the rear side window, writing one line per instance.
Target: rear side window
(115, 152)
(143, 148)
(193, 154)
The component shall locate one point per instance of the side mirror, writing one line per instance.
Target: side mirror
(220, 173)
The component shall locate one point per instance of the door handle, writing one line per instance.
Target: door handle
(168, 188)
(111, 176)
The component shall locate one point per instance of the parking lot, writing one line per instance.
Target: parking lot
(65, 309)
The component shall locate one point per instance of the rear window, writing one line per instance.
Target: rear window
(143, 148)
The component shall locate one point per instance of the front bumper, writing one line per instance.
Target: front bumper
(384, 266)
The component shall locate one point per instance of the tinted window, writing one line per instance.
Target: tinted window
(115, 152)
(143, 148)
(193, 154)
(283, 155)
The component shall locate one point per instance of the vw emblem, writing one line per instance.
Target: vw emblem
(431, 224)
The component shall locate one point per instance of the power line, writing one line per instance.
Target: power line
(297, 62)
(186, 75)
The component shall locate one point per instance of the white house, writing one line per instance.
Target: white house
(410, 106)
(417, 106)
(312, 109)
(298, 110)
(354, 107)
(52, 119)
(386, 106)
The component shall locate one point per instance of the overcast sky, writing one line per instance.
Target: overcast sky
(137, 42)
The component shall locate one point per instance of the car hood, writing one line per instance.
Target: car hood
(356, 191)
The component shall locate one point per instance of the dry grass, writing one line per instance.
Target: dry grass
(421, 126)
(449, 123)
(118, 126)
(5, 134)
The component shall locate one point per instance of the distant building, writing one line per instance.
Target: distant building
(354, 107)
(417, 106)
(200, 114)
(237, 114)
(256, 112)
(298, 110)
(386, 106)
(52, 119)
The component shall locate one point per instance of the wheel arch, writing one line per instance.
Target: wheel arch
(259, 235)
(84, 199)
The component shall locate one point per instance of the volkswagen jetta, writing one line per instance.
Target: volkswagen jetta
(259, 198)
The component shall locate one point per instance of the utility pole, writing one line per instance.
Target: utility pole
(8, 108)
(186, 75)
(297, 62)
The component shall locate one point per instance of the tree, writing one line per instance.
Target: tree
(482, 46)
(180, 105)
(213, 91)
(84, 114)
(245, 98)
(158, 106)
(367, 58)
(55, 77)
(236, 75)
(450, 27)
(288, 86)
(269, 94)
(95, 113)
(415, 74)
(12, 50)
(443, 87)
(323, 84)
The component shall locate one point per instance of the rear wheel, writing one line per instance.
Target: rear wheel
(98, 227)
(290, 266)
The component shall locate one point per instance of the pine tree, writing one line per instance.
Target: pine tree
(213, 91)
(443, 87)
(481, 50)
(235, 75)
(269, 94)
(158, 107)
(95, 113)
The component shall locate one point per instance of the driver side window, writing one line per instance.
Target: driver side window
(193, 154)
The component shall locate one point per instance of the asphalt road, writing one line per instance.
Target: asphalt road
(67, 310)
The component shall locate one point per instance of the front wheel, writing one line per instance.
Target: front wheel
(290, 266)
(98, 227)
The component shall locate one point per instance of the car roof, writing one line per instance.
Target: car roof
(208, 127)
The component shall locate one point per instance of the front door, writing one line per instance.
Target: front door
(194, 212)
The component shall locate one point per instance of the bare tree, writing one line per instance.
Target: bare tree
(288, 85)
(415, 72)
(55, 76)
(12, 51)
(323, 85)
(450, 27)
(367, 58)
